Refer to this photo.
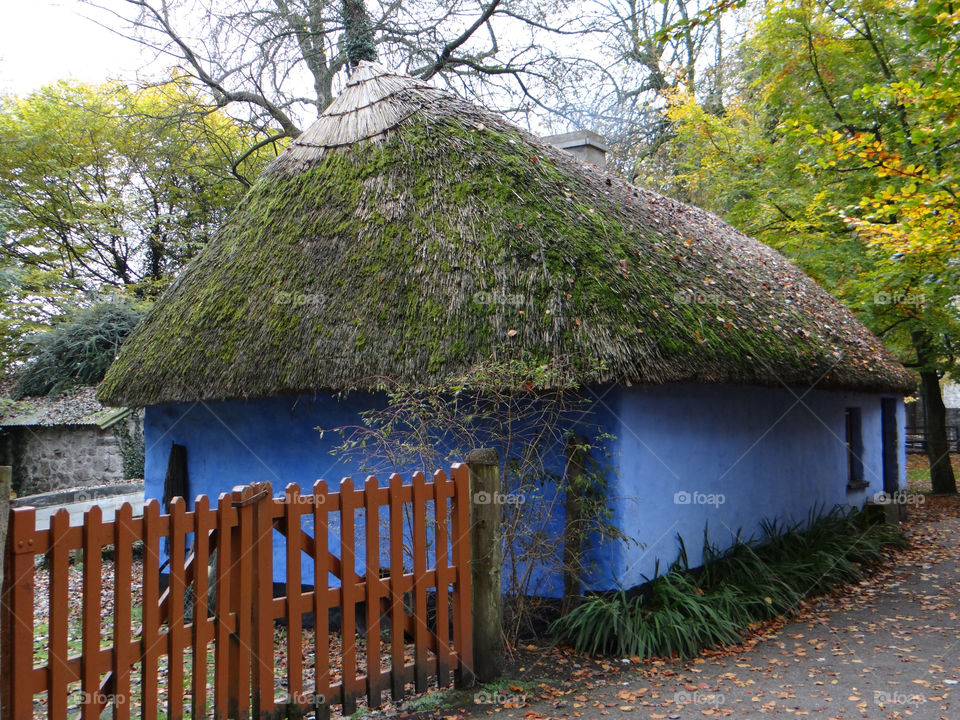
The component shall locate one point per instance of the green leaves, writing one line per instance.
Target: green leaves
(77, 351)
(683, 612)
(103, 186)
(842, 149)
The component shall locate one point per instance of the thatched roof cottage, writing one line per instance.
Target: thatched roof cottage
(361, 252)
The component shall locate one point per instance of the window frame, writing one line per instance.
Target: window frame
(853, 436)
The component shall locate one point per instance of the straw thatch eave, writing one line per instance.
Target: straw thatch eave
(410, 235)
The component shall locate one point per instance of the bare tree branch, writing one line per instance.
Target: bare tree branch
(447, 53)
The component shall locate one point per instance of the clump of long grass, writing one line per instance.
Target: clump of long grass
(686, 610)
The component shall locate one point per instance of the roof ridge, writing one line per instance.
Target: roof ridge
(367, 70)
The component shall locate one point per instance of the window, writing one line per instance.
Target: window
(854, 437)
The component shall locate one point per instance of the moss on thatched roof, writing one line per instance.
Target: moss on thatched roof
(411, 235)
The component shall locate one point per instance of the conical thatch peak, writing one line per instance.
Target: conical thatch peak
(374, 101)
(411, 235)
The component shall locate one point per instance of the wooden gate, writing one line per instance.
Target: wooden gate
(208, 645)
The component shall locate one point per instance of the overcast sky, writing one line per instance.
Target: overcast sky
(45, 40)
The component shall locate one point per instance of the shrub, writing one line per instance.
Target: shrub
(77, 351)
(684, 610)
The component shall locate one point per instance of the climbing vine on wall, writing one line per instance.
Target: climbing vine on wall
(130, 435)
(554, 469)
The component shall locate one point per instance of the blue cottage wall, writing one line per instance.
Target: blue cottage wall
(678, 450)
(725, 458)
(271, 440)
(277, 440)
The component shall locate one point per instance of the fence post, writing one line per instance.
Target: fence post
(241, 589)
(6, 476)
(5, 479)
(16, 616)
(262, 605)
(486, 560)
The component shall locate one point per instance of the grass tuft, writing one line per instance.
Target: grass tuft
(684, 611)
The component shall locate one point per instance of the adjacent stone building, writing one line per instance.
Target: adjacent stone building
(68, 441)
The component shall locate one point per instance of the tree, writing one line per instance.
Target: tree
(358, 40)
(102, 187)
(840, 148)
(607, 65)
(279, 60)
(645, 51)
(913, 217)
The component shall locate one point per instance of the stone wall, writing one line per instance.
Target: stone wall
(51, 458)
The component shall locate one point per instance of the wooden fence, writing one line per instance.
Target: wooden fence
(916, 439)
(217, 659)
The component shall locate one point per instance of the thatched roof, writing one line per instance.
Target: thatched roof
(411, 235)
(77, 406)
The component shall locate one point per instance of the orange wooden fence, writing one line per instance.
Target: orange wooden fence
(228, 660)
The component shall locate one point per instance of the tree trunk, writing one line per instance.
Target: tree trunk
(357, 33)
(935, 418)
(6, 474)
(938, 449)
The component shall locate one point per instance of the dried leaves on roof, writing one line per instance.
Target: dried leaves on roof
(79, 406)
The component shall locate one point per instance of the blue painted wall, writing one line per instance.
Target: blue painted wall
(277, 440)
(725, 458)
(766, 452)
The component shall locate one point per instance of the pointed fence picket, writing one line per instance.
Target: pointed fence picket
(206, 641)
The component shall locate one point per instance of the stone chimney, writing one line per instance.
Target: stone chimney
(587, 145)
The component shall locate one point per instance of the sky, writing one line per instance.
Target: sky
(45, 40)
